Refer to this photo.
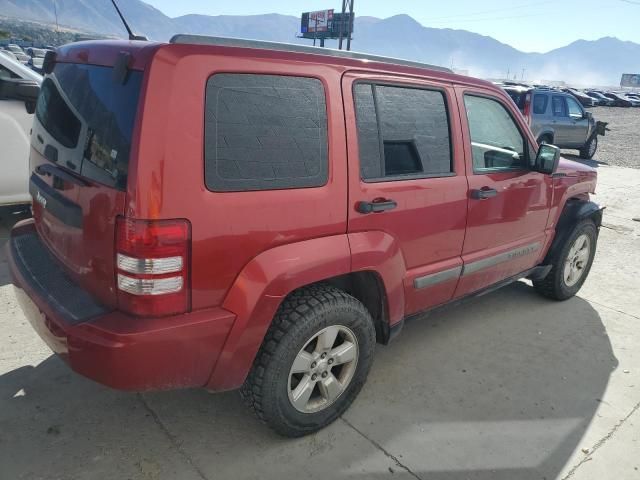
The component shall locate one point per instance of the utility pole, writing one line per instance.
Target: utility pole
(349, 27)
(341, 26)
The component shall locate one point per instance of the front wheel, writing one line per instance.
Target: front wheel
(589, 149)
(572, 265)
(313, 361)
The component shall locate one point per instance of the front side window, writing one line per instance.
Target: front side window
(540, 102)
(575, 110)
(402, 132)
(559, 106)
(496, 141)
(265, 132)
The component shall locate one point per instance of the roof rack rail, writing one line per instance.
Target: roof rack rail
(289, 47)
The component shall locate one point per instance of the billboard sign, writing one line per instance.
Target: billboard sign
(316, 22)
(630, 80)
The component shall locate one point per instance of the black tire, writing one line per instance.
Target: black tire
(545, 139)
(590, 148)
(301, 316)
(554, 286)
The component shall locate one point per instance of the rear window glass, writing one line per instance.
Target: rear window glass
(91, 117)
(540, 103)
(518, 97)
(265, 132)
(402, 132)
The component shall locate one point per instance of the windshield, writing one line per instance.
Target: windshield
(92, 116)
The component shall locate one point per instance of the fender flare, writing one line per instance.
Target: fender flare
(269, 277)
(546, 132)
(574, 211)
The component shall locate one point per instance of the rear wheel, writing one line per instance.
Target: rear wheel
(313, 361)
(589, 149)
(571, 267)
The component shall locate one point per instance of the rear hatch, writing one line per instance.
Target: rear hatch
(82, 138)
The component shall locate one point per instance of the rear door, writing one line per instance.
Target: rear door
(80, 150)
(508, 202)
(407, 179)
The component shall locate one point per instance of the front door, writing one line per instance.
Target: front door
(579, 123)
(508, 202)
(407, 183)
(560, 121)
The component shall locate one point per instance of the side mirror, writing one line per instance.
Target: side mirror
(588, 115)
(547, 159)
(20, 89)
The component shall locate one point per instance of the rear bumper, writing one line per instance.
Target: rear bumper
(112, 348)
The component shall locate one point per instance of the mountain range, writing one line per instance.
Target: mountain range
(599, 62)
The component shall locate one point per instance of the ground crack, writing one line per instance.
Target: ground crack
(611, 308)
(601, 442)
(172, 438)
(381, 448)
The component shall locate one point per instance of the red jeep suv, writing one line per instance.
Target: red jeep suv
(230, 214)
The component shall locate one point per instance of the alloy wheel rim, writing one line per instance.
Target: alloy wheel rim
(323, 369)
(577, 260)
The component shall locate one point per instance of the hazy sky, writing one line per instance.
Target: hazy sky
(527, 25)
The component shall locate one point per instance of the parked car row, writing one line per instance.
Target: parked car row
(32, 57)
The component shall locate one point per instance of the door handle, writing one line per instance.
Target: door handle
(483, 193)
(376, 206)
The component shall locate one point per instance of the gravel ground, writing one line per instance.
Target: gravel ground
(621, 145)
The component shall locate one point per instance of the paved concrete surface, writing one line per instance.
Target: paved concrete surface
(509, 386)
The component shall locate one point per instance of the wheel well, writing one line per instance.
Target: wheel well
(575, 210)
(367, 287)
(545, 136)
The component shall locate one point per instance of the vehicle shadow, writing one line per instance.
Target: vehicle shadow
(9, 216)
(501, 387)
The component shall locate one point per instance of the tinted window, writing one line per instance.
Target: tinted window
(540, 102)
(496, 141)
(518, 97)
(56, 117)
(265, 132)
(84, 108)
(559, 107)
(575, 110)
(409, 136)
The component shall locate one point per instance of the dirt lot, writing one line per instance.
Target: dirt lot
(620, 146)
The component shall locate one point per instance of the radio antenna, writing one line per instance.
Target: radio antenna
(132, 36)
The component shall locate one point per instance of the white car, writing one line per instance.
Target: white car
(15, 125)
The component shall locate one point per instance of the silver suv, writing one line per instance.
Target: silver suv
(558, 118)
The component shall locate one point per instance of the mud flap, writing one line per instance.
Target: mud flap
(601, 128)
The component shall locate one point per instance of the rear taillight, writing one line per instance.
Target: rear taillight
(527, 108)
(152, 266)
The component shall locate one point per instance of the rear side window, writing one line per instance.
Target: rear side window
(402, 132)
(540, 102)
(559, 106)
(85, 109)
(265, 132)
